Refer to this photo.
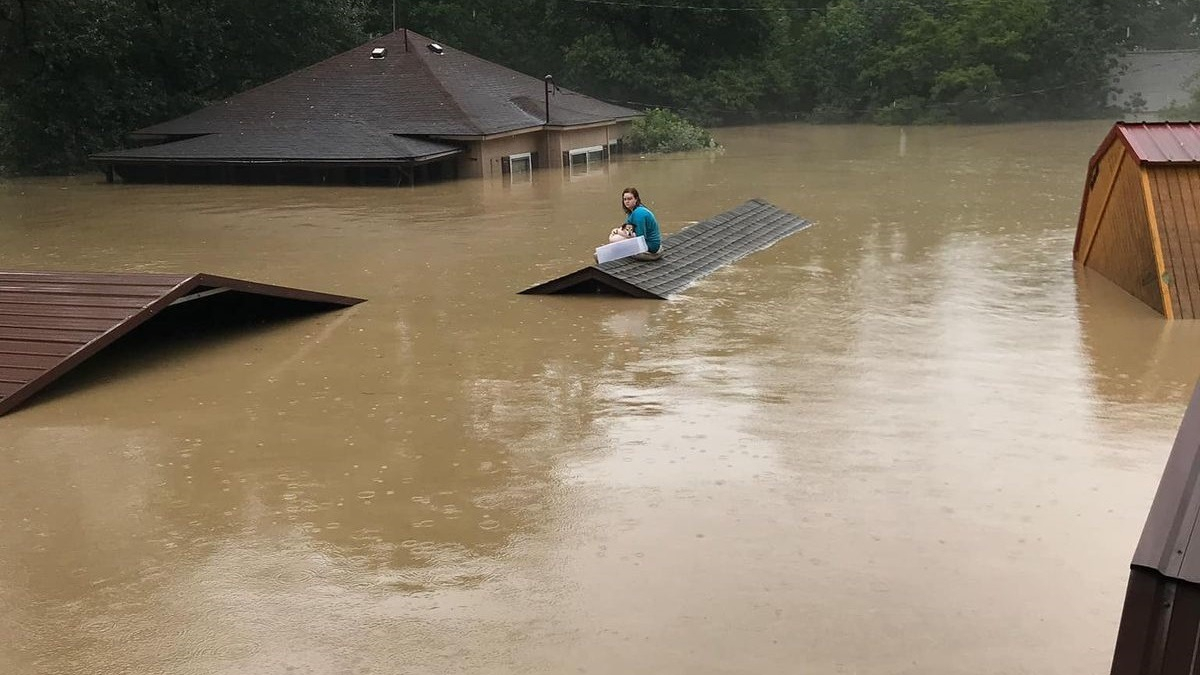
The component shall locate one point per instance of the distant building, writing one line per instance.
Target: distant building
(1139, 224)
(1154, 80)
(398, 110)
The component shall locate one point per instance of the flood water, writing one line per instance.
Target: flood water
(913, 438)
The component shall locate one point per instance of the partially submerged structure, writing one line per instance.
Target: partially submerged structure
(398, 109)
(688, 255)
(1139, 224)
(1159, 632)
(50, 322)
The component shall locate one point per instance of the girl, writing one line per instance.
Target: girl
(643, 222)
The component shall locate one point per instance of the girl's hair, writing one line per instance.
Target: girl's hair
(638, 198)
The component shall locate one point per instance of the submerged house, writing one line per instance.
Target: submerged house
(397, 110)
(1139, 224)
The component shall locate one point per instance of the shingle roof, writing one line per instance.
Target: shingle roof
(1157, 142)
(332, 143)
(688, 255)
(413, 92)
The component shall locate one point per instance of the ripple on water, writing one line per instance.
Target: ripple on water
(215, 649)
(292, 576)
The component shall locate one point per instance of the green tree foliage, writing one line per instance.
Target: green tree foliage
(1158, 24)
(1188, 110)
(78, 75)
(663, 131)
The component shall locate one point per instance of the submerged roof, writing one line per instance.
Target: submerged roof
(1156, 142)
(344, 104)
(331, 144)
(51, 322)
(688, 255)
(1174, 517)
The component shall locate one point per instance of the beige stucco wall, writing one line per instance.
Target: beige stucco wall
(499, 148)
(483, 158)
(558, 142)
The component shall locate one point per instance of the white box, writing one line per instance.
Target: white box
(621, 249)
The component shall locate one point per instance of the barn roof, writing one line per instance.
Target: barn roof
(50, 322)
(1156, 142)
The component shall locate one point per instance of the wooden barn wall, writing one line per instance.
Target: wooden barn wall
(1096, 196)
(1175, 193)
(1122, 247)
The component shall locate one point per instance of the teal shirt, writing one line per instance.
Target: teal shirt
(644, 225)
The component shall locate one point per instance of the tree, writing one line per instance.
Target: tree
(80, 74)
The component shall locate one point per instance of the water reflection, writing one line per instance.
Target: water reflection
(1135, 356)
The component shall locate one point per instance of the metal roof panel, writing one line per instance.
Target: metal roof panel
(1174, 517)
(51, 322)
(1162, 142)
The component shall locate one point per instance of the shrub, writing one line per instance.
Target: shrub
(664, 131)
(1188, 110)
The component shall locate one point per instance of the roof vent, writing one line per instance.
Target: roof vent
(435, 48)
(379, 52)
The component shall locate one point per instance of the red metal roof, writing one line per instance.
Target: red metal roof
(51, 322)
(1161, 142)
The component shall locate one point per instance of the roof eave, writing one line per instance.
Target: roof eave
(101, 159)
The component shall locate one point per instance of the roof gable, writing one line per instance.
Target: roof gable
(413, 90)
(51, 322)
(690, 254)
(1156, 142)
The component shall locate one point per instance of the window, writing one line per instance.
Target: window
(582, 159)
(519, 167)
(522, 163)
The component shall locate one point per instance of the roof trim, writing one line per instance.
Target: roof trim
(1165, 544)
(50, 322)
(190, 161)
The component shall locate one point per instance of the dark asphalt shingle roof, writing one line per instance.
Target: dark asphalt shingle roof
(413, 93)
(688, 255)
(350, 143)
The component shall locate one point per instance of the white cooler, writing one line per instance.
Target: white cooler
(621, 249)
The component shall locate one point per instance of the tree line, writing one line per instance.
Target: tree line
(77, 75)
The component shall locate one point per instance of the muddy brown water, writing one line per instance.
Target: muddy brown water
(913, 438)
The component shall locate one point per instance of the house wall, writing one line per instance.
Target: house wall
(1096, 194)
(1175, 196)
(1115, 238)
(1159, 78)
(558, 142)
(468, 163)
(484, 158)
(497, 149)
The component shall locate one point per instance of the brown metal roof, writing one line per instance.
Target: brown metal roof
(1160, 620)
(51, 322)
(1174, 516)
